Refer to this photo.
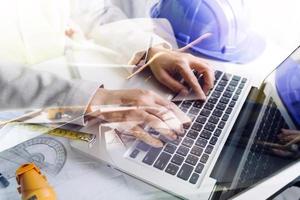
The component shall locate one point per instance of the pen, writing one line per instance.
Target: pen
(292, 147)
(143, 64)
(147, 52)
(118, 108)
(57, 112)
(193, 43)
(22, 118)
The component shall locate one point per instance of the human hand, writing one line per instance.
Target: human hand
(151, 110)
(289, 143)
(169, 63)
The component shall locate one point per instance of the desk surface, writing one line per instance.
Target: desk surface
(93, 180)
(96, 181)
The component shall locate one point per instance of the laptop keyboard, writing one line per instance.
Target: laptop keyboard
(187, 156)
(271, 124)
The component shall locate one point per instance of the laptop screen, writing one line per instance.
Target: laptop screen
(288, 85)
(266, 136)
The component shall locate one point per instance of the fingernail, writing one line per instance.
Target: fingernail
(174, 136)
(184, 92)
(181, 130)
(158, 144)
(203, 98)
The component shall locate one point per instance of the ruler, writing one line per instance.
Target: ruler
(59, 132)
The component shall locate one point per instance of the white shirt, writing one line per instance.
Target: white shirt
(35, 31)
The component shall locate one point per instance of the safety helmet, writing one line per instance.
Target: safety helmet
(226, 20)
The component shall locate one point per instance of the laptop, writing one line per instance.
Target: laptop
(229, 147)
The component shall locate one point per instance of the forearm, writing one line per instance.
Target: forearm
(127, 37)
(23, 88)
(107, 25)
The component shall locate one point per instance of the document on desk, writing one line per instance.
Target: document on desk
(68, 170)
(12, 135)
(65, 168)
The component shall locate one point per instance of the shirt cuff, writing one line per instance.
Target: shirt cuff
(138, 59)
(80, 96)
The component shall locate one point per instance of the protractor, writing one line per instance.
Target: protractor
(47, 153)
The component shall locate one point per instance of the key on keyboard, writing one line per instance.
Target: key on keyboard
(151, 155)
(187, 156)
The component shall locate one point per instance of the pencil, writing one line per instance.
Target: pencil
(193, 43)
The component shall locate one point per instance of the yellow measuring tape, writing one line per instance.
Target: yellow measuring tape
(73, 135)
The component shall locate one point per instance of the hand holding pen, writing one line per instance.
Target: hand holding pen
(289, 144)
(165, 64)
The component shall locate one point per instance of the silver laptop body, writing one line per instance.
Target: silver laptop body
(191, 167)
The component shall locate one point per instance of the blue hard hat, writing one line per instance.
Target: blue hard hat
(231, 39)
(288, 86)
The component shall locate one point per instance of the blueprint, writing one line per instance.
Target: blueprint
(68, 171)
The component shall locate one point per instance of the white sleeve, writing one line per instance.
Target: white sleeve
(24, 88)
(128, 37)
(91, 13)
(109, 27)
